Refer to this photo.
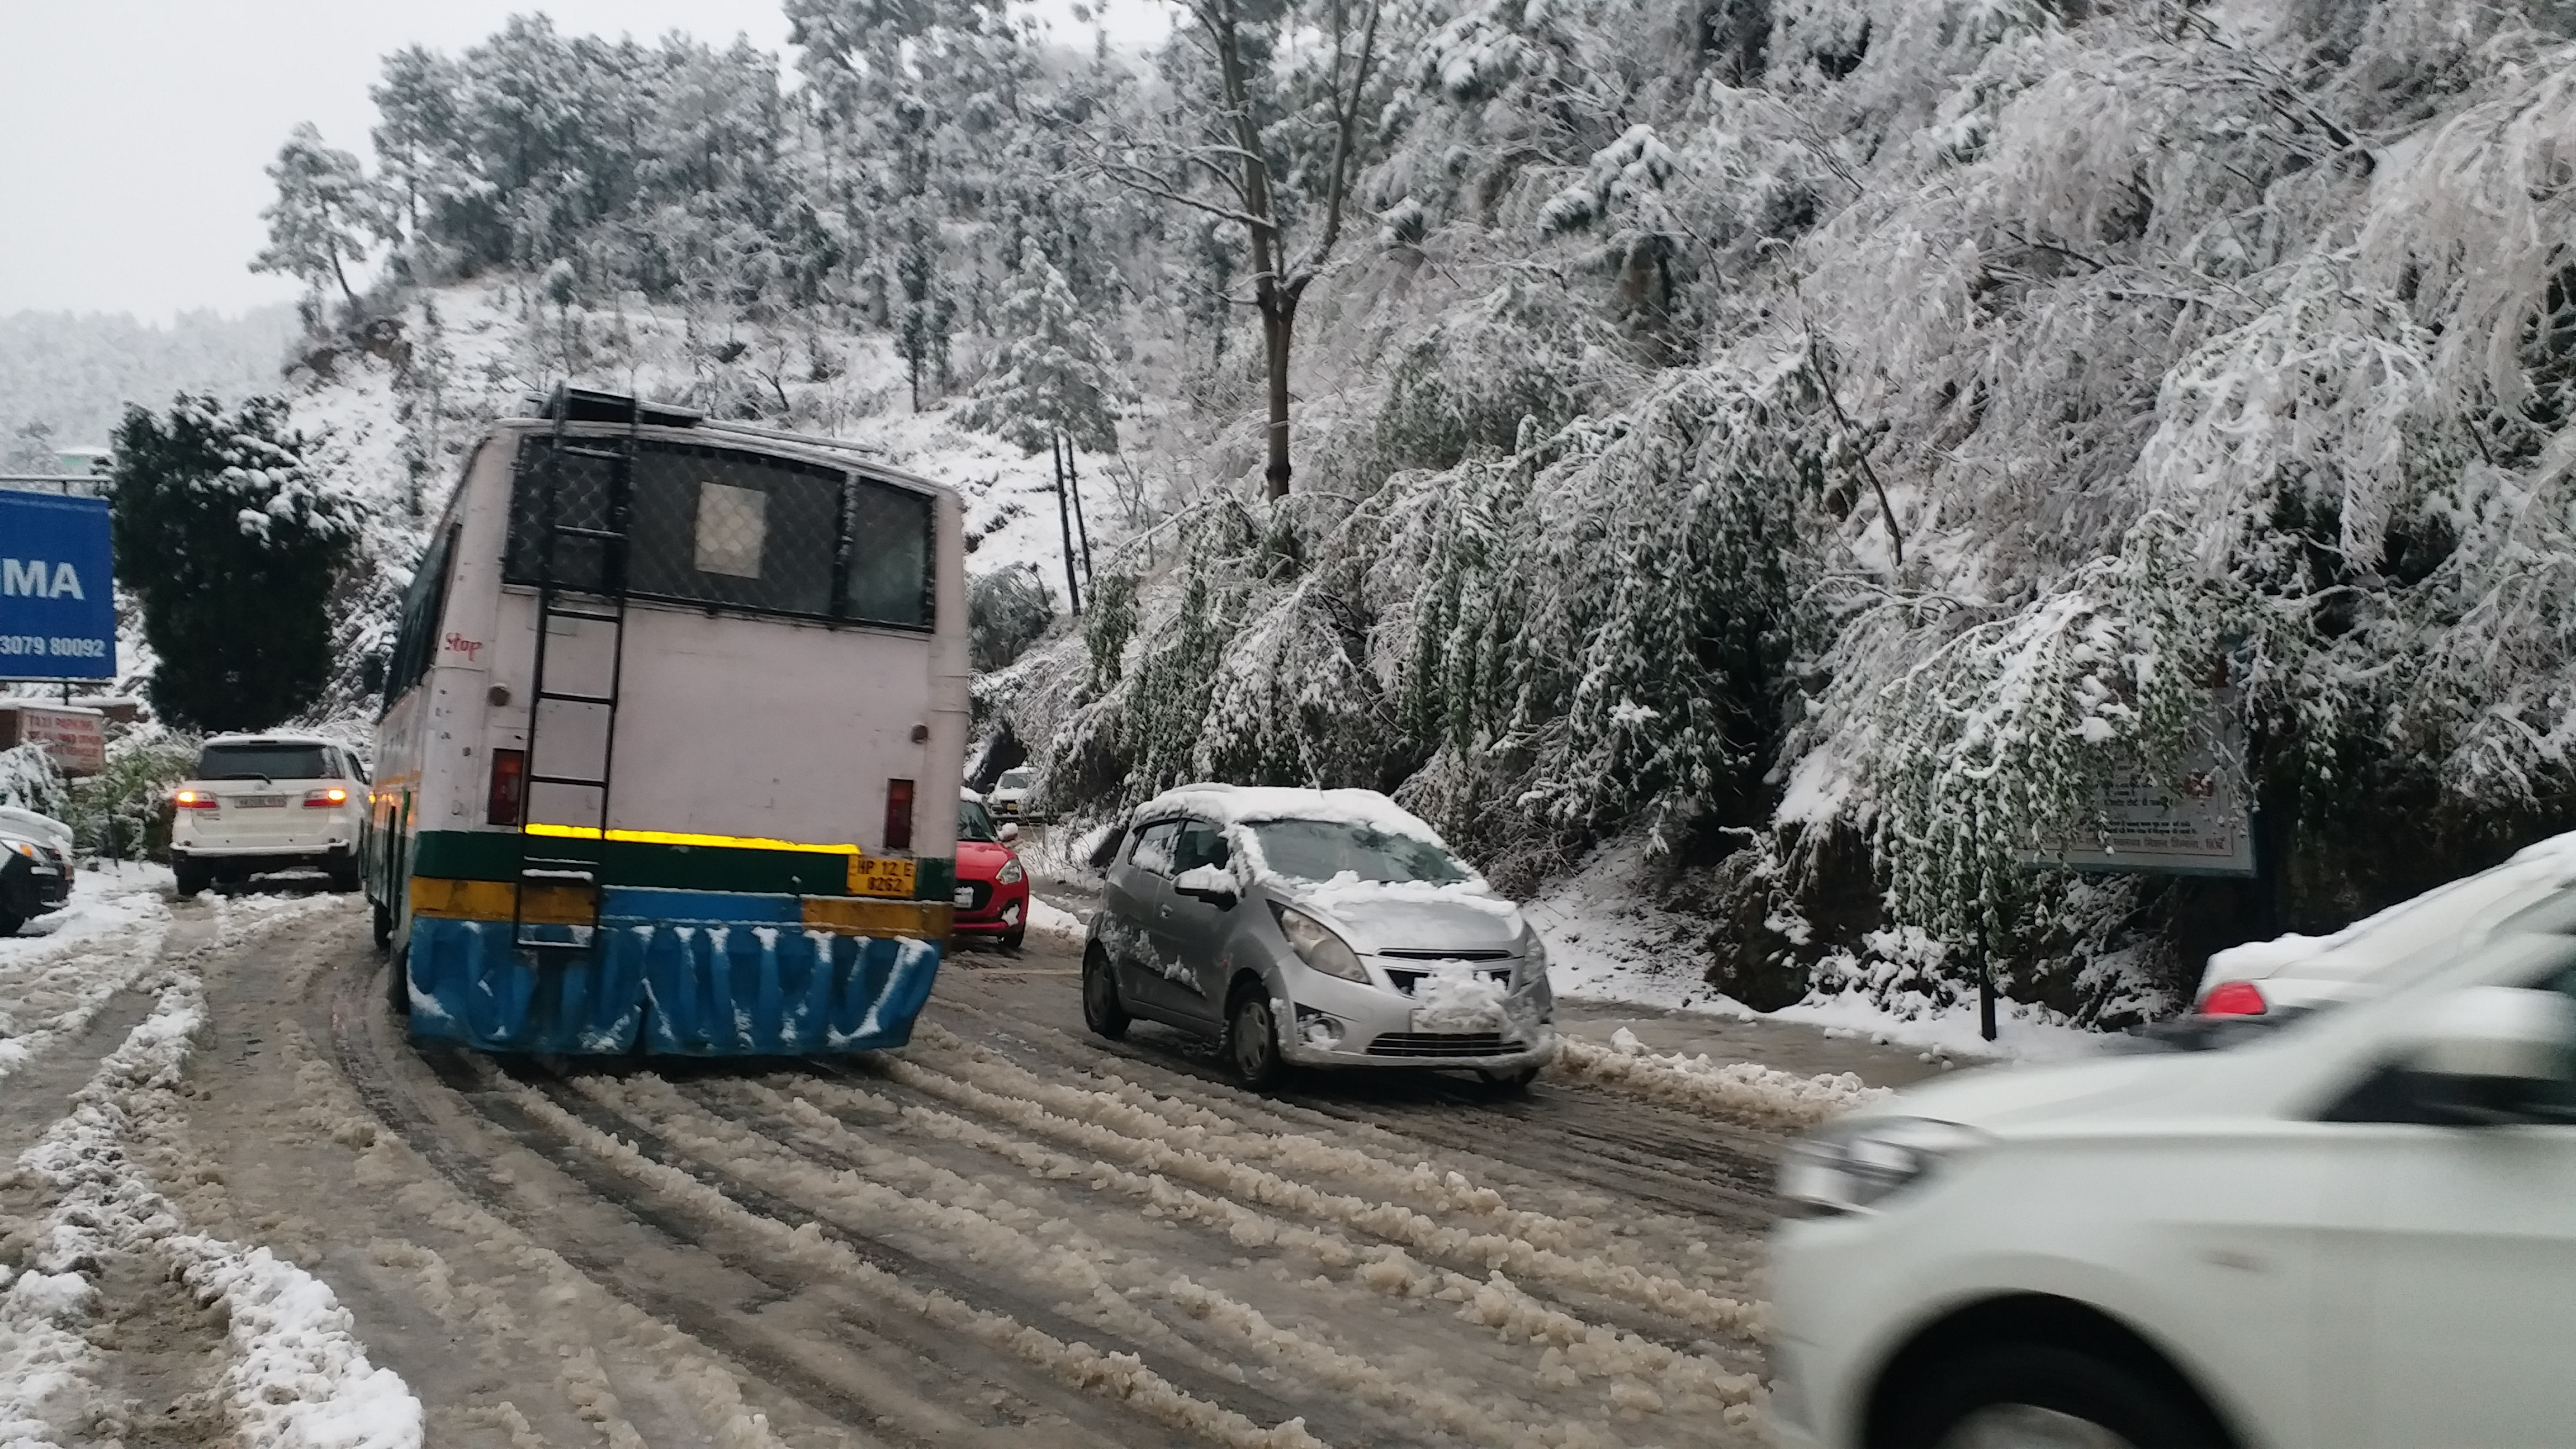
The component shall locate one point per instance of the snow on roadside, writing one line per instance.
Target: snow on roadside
(297, 1375)
(1739, 1090)
(1607, 942)
(52, 987)
(1049, 920)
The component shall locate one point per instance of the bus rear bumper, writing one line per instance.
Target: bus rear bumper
(679, 973)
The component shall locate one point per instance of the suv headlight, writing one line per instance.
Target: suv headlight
(1849, 1168)
(1010, 873)
(1316, 945)
(21, 847)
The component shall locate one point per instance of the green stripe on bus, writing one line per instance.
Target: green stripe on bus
(495, 854)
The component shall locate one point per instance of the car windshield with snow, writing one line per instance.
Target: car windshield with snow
(1325, 928)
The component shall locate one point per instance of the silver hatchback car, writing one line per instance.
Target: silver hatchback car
(1323, 928)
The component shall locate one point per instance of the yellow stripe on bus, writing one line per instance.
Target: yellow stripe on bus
(675, 837)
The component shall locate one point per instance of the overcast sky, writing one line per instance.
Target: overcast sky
(134, 134)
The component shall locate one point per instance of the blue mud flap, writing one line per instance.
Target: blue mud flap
(686, 973)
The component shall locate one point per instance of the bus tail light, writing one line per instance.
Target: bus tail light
(898, 831)
(509, 787)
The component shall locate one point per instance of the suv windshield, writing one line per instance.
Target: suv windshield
(1013, 780)
(1319, 850)
(262, 761)
(974, 822)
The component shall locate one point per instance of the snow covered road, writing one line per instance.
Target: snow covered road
(1008, 1232)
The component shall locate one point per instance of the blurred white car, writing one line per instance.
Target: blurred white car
(2349, 1226)
(2300, 972)
(1009, 794)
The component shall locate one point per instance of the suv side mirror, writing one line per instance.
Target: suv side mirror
(1212, 884)
(2490, 1053)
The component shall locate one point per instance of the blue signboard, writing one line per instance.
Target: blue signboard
(57, 599)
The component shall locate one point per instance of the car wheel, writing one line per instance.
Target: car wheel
(2038, 1396)
(1012, 938)
(192, 878)
(1510, 1084)
(1102, 1011)
(1252, 1040)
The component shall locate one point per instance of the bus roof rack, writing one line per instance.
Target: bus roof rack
(589, 405)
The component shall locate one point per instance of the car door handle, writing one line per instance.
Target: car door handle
(1164, 913)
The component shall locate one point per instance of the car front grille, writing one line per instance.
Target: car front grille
(979, 896)
(1442, 1044)
(1405, 981)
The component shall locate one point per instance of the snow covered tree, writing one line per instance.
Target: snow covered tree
(929, 310)
(327, 216)
(1053, 373)
(231, 542)
(1268, 135)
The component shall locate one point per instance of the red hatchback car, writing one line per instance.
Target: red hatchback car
(992, 885)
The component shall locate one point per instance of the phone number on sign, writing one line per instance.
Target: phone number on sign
(41, 647)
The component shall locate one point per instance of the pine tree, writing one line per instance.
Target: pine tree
(327, 213)
(231, 542)
(929, 308)
(1054, 371)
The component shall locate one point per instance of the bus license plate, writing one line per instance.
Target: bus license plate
(880, 877)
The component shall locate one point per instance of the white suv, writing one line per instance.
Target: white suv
(264, 803)
(2350, 1226)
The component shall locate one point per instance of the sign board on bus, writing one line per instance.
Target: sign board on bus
(57, 599)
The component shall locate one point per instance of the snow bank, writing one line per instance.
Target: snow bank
(297, 1377)
(1050, 920)
(1739, 1090)
(53, 986)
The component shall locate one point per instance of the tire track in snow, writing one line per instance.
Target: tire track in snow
(1574, 1348)
(845, 1388)
(609, 1120)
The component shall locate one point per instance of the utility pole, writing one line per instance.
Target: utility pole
(1074, 482)
(1064, 518)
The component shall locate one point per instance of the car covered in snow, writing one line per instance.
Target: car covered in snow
(2303, 973)
(264, 804)
(1323, 928)
(2353, 1225)
(1010, 794)
(992, 884)
(35, 866)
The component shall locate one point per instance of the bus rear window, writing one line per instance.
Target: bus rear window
(266, 762)
(718, 526)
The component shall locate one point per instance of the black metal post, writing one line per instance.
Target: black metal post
(1064, 518)
(1985, 982)
(1073, 484)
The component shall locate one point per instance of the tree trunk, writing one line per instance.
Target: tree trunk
(1278, 320)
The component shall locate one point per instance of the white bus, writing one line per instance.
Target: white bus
(674, 723)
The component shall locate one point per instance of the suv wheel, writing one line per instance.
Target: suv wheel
(384, 926)
(10, 921)
(1252, 1039)
(2038, 1396)
(192, 877)
(1102, 1011)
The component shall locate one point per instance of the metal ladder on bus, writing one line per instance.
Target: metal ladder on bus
(574, 861)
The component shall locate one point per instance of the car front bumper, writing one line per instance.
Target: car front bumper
(1330, 1022)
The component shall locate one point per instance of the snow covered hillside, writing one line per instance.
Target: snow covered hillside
(1806, 448)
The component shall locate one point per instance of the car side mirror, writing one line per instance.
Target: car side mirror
(1212, 884)
(2487, 1054)
(1010, 831)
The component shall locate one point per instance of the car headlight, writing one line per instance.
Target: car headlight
(1316, 945)
(1010, 873)
(1850, 1168)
